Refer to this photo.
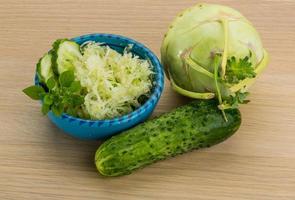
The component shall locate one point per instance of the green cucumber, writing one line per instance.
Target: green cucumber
(196, 125)
(44, 68)
(66, 53)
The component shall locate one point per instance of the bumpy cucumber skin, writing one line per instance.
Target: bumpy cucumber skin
(197, 125)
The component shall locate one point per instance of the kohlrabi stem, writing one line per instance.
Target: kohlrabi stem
(224, 23)
(190, 94)
(197, 67)
(216, 63)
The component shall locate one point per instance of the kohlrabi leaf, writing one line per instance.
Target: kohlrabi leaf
(237, 70)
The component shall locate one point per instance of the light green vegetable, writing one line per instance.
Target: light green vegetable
(200, 34)
(66, 55)
(44, 69)
(115, 82)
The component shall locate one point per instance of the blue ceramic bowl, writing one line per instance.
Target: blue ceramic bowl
(99, 129)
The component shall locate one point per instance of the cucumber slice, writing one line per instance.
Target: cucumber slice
(44, 68)
(66, 54)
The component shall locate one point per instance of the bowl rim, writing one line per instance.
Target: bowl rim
(157, 88)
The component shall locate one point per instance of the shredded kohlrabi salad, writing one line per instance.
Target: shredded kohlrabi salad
(91, 81)
(115, 82)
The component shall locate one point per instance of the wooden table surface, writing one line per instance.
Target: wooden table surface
(38, 161)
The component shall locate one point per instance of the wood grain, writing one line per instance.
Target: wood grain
(38, 161)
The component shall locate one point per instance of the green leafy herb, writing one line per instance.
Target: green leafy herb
(35, 92)
(51, 82)
(66, 78)
(75, 86)
(63, 95)
(57, 109)
(48, 99)
(241, 97)
(237, 70)
(68, 96)
(45, 109)
(234, 100)
(77, 100)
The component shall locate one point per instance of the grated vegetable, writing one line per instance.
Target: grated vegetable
(114, 81)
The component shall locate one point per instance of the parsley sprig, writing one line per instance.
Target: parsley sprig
(234, 100)
(239, 69)
(236, 71)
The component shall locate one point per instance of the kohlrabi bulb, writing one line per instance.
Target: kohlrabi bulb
(200, 33)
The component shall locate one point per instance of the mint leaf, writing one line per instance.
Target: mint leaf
(57, 109)
(35, 92)
(51, 83)
(77, 100)
(48, 99)
(75, 87)
(66, 78)
(45, 109)
(237, 70)
(71, 111)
